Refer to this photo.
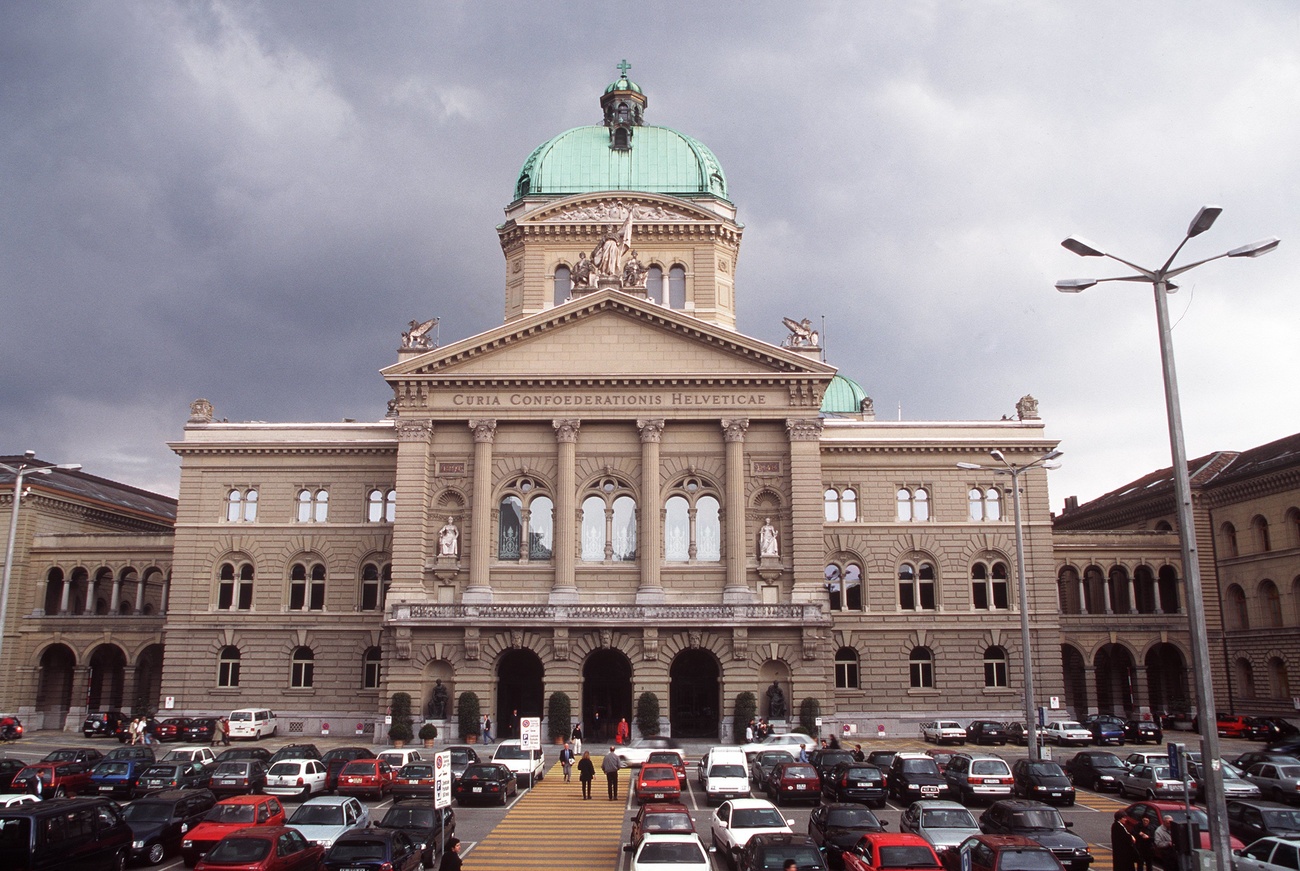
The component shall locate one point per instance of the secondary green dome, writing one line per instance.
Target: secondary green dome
(843, 396)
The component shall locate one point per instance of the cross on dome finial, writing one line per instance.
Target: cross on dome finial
(623, 67)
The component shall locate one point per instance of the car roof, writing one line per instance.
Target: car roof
(894, 838)
(782, 838)
(664, 807)
(938, 804)
(1009, 841)
(245, 799)
(747, 803)
(327, 800)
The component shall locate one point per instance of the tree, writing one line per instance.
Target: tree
(467, 711)
(746, 710)
(400, 730)
(809, 710)
(559, 713)
(647, 714)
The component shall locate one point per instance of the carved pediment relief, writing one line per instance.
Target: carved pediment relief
(614, 211)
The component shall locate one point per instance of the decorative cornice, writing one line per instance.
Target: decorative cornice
(566, 430)
(414, 430)
(614, 615)
(485, 430)
(651, 430)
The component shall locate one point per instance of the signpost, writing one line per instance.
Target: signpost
(441, 793)
(530, 733)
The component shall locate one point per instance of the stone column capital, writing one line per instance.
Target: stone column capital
(485, 430)
(566, 430)
(804, 429)
(734, 429)
(651, 430)
(416, 430)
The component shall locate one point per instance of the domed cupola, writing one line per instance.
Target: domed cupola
(624, 105)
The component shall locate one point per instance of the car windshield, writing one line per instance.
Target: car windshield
(231, 813)
(510, 751)
(948, 818)
(1069, 726)
(112, 769)
(776, 855)
(664, 757)
(416, 772)
(1031, 859)
(835, 758)
(1044, 818)
(459, 757)
(674, 822)
(658, 773)
(241, 716)
(756, 818)
(178, 756)
(359, 767)
(863, 772)
(357, 851)
(920, 766)
(674, 853)
(1159, 771)
(60, 756)
(146, 812)
(481, 772)
(317, 815)
(1045, 769)
(408, 818)
(285, 769)
(239, 851)
(1198, 817)
(906, 856)
(989, 766)
(806, 771)
(727, 771)
(1106, 760)
(160, 771)
(851, 818)
(775, 757)
(234, 769)
(1282, 821)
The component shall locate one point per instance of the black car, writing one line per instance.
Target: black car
(85, 755)
(825, 760)
(1251, 757)
(295, 751)
(201, 730)
(1096, 769)
(91, 835)
(131, 751)
(8, 768)
(427, 826)
(367, 849)
(856, 782)
(335, 759)
(835, 828)
(1279, 729)
(103, 724)
(987, 732)
(238, 754)
(882, 759)
(159, 821)
(913, 776)
(123, 731)
(1042, 781)
(1251, 820)
(241, 777)
(171, 775)
(1038, 822)
(1018, 734)
(774, 850)
(485, 782)
(1142, 731)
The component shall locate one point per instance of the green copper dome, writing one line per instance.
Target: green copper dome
(843, 396)
(624, 84)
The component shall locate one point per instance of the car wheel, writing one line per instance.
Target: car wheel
(60, 792)
(119, 861)
(156, 853)
(1151, 795)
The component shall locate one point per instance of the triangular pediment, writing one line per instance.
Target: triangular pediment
(607, 335)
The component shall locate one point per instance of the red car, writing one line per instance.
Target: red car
(999, 852)
(657, 783)
(888, 851)
(670, 757)
(366, 777)
(794, 781)
(58, 779)
(657, 818)
(227, 817)
(273, 848)
(172, 728)
(1163, 812)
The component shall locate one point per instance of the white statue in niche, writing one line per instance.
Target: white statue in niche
(767, 543)
(449, 539)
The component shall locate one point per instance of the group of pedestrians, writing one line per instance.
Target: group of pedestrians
(1139, 848)
(141, 731)
(611, 764)
(221, 733)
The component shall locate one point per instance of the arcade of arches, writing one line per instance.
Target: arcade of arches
(108, 680)
(1113, 683)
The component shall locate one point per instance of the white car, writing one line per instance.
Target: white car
(943, 732)
(1065, 732)
(202, 755)
(788, 741)
(1268, 854)
(635, 754)
(736, 821)
(399, 756)
(322, 819)
(300, 777)
(671, 852)
(529, 766)
(726, 778)
(17, 799)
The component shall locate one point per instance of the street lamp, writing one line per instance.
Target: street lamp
(1022, 586)
(1159, 279)
(19, 473)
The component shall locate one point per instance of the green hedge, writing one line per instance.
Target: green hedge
(647, 714)
(467, 711)
(746, 710)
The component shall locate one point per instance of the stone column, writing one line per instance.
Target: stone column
(806, 510)
(1132, 596)
(166, 595)
(117, 595)
(1105, 596)
(410, 525)
(479, 591)
(1141, 692)
(737, 555)
(650, 545)
(90, 597)
(564, 588)
(139, 596)
(1090, 691)
(65, 598)
(1083, 598)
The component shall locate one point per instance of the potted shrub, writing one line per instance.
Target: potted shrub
(809, 710)
(428, 732)
(558, 717)
(746, 710)
(470, 720)
(647, 714)
(400, 730)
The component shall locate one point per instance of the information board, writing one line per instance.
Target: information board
(530, 733)
(442, 778)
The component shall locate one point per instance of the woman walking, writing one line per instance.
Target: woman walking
(576, 737)
(586, 774)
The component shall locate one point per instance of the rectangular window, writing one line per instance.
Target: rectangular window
(245, 595)
(317, 602)
(226, 594)
(303, 674)
(922, 675)
(995, 673)
(846, 675)
(906, 596)
(228, 673)
(979, 592)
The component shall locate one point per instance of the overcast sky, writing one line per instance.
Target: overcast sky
(247, 202)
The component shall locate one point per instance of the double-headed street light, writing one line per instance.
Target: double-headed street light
(1159, 279)
(1022, 586)
(19, 473)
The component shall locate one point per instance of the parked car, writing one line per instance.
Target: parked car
(374, 849)
(296, 751)
(396, 757)
(1252, 820)
(103, 724)
(1237, 726)
(670, 852)
(88, 756)
(264, 849)
(1142, 731)
(660, 818)
(1017, 734)
(940, 756)
(978, 777)
(774, 850)
(915, 775)
(202, 729)
(943, 824)
(461, 756)
(656, 782)
(172, 729)
(763, 763)
(427, 827)
(230, 815)
(1041, 780)
(131, 751)
(1149, 781)
(201, 755)
(56, 779)
(366, 777)
(999, 853)
(1096, 769)
(856, 782)
(636, 753)
(325, 817)
(884, 760)
(416, 780)
(794, 781)
(483, 782)
(300, 778)
(1038, 822)
(1268, 854)
(171, 775)
(673, 758)
(1106, 729)
(123, 731)
(889, 851)
(1249, 758)
(116, 778)
(335, 759)
(1065, 733)
(1235, 784)
(255, 723)
(236, 754)
(1276, 781)
(737, 820)
(67, 834)
(986, 732)
(724, 777)
(529, 766)
(943, 732)
(1162, 813)
(244, 777)
(159, 821)
(825, 760)
(835, 828)
(1146, 757)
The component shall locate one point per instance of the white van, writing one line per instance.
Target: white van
(255, 723)
(723, 774)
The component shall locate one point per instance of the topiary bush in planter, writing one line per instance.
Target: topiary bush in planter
(559, 713)
(809, 710)
(647, 714)
(468, 714)
(746, 710)
(400, 729)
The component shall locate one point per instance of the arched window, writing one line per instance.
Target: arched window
(1293, 524)
(302, 668)
(1259, 527)
(381, 505)
(654, 284)
(677, 287)
(921, 668)
(844, 585)
(1164, 526)
(241, 505)
(1228, 534)
(692, 527)
(985, 504)
(609, 522)
(235, 587)
(1236, 616)
(988, 585)
(307, 587)
(916, 586)
(995, 668)
(1245, 678)
(370, 668)
(228, 667)
(53, 590)
(1279, 682)
(375, 579)
(913, 504)
(313, 505)
(841, 505)
(846, 669)
(525, 522)
(1270, 601)
(563, 285)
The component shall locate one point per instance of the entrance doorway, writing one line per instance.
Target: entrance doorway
(107, 668)
(606, 694)
(693, 695)
(519, 690)
(54, 690)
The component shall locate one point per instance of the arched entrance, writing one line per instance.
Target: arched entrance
(54, 689)
(1167, 680)
(519, 690)
(694, 698)
(107, 669)
(1076, 682)
(1115, 673)
(606, 693)
(148, 678)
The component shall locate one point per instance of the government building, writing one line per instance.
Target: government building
(615, 493)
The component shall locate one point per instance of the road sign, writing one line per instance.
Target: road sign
(442, 778)
(530, 733)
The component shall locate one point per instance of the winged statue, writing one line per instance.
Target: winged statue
(416, 336)
(802, 335)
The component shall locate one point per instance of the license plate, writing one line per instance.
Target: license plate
(801, 786)
(929, 790)
(1056, 795)
(105, 788)
(354, 780)
(860, 783)
(659, 795)
(353, 868)
(478, 789)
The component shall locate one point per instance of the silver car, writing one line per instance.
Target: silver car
(944, 824)
(1276, 781)
(1149, 781)
(322, 819)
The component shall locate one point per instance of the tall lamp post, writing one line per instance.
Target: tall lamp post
(1205, 708)
(19, 473)
(1022, 586)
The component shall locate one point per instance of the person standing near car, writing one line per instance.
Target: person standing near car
(1122, 847)
(610, 765)
(586, 774)
(225, 732)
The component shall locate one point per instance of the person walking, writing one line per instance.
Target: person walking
(576, 737)
(451, 860)
(623, 734)
(225, 732)
(487, 729)
(586, 774)
(566, 761)
(610, 765)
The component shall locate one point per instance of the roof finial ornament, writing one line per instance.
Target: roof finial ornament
(623, 67)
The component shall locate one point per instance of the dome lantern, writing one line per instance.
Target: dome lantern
(624, 106)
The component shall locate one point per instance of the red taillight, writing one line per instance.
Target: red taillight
(387, 866)
(300, 781)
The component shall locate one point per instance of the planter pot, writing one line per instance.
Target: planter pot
(471, 739)
(428, 742)
(397, 742)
